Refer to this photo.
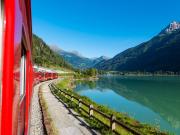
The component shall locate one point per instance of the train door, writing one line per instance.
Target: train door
(22, 107)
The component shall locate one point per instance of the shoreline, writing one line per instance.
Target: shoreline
(119, 115)
(87, 79)
(135, 75)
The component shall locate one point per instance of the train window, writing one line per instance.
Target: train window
(23, 73)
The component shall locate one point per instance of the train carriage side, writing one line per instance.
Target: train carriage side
(15, 66)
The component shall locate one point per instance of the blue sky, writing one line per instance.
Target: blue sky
(101, 27)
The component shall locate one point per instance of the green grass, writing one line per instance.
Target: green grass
(102, 126)
(64, 84)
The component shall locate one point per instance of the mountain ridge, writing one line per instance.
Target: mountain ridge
(162, 52)
(77, 60)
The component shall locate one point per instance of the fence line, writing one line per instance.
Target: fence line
(112, 118)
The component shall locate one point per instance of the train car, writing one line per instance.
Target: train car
(16, 70)
(43, 74)
(38, 75)
(54, 75)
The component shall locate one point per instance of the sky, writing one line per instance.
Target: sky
(101, 27)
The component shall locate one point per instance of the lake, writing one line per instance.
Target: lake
(153, 100)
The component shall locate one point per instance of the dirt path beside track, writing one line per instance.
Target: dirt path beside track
(66, 121)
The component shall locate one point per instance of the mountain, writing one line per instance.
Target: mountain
(77, 60)
(174, 26)
(44, 56)
(161, 53)
(100, 59)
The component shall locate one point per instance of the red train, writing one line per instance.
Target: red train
(43, 74)
(17, 75)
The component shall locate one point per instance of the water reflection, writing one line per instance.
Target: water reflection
(149, 99)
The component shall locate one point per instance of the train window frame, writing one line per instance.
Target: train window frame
(23, 72)
(1, 42)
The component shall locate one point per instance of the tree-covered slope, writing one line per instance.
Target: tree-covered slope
(161, 53)
(44, 56)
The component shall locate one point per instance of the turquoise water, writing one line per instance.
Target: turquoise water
(153, 100)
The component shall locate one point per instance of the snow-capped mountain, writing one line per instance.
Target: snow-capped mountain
(173, 26)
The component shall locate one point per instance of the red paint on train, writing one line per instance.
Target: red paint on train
(18, 76)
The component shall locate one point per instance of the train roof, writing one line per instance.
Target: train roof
(43, 69)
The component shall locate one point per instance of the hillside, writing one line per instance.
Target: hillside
(76, 60)
(161, 53)
(44, 56)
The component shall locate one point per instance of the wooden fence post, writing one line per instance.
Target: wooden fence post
(113, 124)
(90, 110)
(79, 103)
(58, 92)
(72, 98)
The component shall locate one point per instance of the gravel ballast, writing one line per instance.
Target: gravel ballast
(36, 123)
